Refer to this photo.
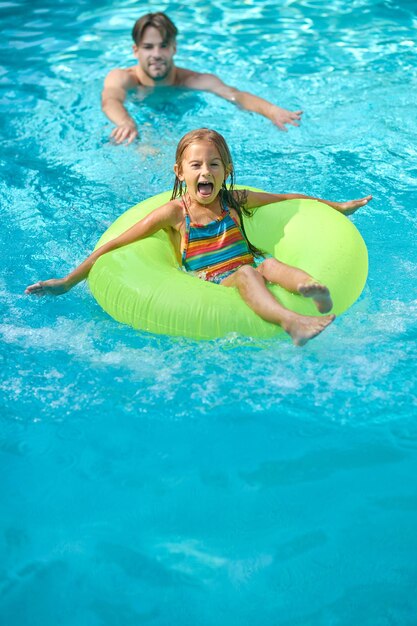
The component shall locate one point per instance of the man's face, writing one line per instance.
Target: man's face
(155, 55)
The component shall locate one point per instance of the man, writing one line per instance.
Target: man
(155, 45)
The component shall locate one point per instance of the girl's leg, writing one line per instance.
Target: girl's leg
(297, 281)
(252, 288)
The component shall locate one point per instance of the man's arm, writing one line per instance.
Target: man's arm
(213, 84)
(116, 85)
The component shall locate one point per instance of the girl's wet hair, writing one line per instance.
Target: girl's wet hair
(229, 196)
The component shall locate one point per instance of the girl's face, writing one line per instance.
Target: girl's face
(203, 171)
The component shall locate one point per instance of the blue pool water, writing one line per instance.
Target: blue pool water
(151, 480)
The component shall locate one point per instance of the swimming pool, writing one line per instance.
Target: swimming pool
(154, 480)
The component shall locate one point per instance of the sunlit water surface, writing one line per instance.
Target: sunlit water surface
(154, 480)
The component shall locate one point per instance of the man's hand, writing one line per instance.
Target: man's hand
(124, 133)
(280, 117)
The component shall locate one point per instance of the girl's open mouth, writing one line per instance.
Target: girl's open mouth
(205, 189)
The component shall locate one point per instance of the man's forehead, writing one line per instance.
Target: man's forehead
(152, 35)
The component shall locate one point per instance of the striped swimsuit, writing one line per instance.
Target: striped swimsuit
(215, 250)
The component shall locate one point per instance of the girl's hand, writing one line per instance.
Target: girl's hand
(52, 287)
(347, 208)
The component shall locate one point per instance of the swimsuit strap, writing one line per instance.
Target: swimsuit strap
(187, 230)
(226, 209)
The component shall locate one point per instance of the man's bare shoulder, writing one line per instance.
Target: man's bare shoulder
(204, 82)
(193, 80)
(121, 78)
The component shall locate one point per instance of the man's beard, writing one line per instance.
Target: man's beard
(160, 73)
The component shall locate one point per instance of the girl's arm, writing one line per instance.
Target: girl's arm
(257, 198)
(166, 216)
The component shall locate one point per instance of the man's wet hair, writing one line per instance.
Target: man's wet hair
(160, 21)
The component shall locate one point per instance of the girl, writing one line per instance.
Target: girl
(204, 223)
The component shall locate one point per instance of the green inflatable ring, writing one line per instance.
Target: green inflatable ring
(141, 284)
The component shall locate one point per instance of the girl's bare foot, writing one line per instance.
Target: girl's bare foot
(319, 293)
(302, 328)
